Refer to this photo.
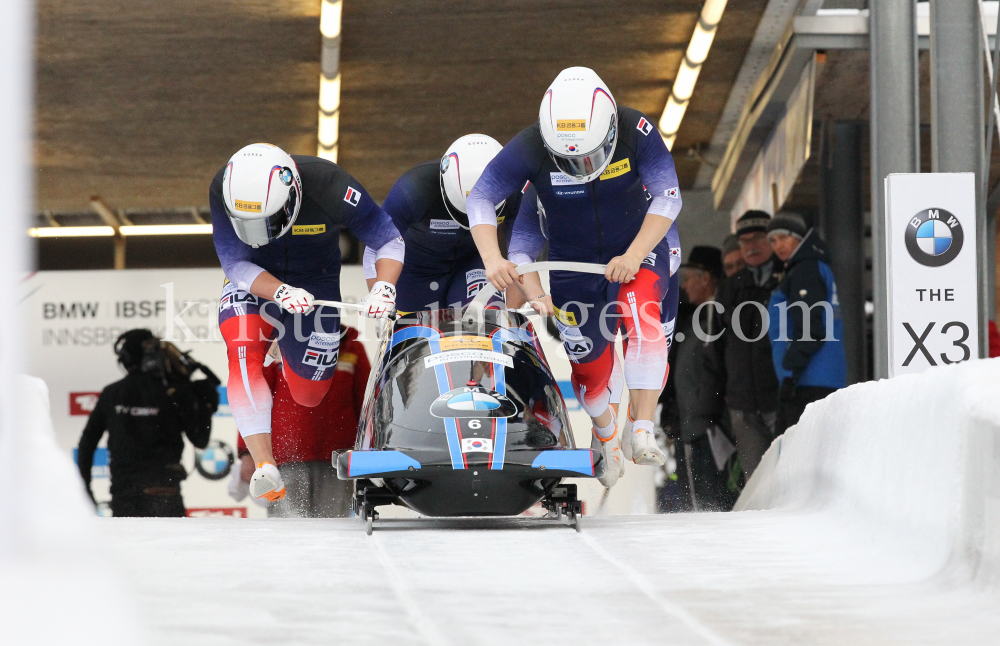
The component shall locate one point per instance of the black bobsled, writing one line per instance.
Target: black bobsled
(463, 417)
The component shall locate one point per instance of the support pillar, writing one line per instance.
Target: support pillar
(895, 136)
(842, 218)
(958, 128)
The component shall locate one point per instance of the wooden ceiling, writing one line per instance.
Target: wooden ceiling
(141, 101)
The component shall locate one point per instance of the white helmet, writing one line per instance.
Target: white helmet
(263, 192)
(461, 166)
(579, 123)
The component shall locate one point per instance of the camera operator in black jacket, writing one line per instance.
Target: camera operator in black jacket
(145, 415)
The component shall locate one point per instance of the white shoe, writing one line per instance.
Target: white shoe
(627, 435)
(614, 463)
(267, 483)
(645, 450)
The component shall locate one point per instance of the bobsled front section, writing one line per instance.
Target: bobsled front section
(476, 411)
(396, 433)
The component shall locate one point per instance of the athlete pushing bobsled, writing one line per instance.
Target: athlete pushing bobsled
(276, 223)
(427, 205)
(607, 185)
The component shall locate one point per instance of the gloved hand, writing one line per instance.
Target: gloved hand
(787, 392)
(380, 302)
(294, 299)
(238, 488)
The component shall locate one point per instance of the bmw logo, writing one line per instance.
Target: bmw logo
(934, 237)
(215, 461)
(445, 163)
(473, 401)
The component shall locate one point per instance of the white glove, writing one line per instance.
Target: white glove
(294, 299)
(238, 489)
(380, 302)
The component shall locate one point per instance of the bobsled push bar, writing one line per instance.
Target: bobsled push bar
(479, 303)
(348, 306)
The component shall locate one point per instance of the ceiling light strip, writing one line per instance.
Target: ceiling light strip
(128, 230)
(328, 134)
(687, 74)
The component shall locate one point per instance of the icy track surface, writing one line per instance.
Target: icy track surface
(744, 578)
(875, 520)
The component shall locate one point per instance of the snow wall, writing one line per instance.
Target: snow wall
(910, 463)
(59, 586)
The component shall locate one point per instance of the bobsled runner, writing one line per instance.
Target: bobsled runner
(463, 417)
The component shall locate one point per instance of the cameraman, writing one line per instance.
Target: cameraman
(145, 414)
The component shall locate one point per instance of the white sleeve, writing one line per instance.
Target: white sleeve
(667, 207)
(395, 249)
(520, 258)
(369, 263)
(242, 273)
(480, 209)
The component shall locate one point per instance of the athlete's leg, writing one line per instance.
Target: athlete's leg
(579, 301)
(617, 381)
(587, 335)
(668, 318)
(647, 349)
(247, 336)
(309, 347)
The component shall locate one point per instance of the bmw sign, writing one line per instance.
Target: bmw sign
(932, 287)
(934, 237)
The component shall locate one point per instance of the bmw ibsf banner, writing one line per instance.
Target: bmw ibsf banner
(931, 261)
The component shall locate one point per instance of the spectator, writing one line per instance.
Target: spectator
(751, 385)
(146, 415)
(304, 439)
(705, 451)
(732, 256)
(810, 360)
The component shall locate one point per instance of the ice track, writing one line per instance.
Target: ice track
(876, 520)
(746, 578)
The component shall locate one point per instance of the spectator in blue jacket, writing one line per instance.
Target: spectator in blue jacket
(805, 326)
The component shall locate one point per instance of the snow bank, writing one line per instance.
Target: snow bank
(911, 463)
(57, 587)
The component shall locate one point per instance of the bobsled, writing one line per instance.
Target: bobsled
(463, 417)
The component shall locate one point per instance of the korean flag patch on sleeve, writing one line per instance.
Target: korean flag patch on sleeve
(671, 193)
(353, 196)
(644, 126)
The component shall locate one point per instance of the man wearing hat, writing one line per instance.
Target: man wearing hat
(751, 385)
(808, 353)
(732, 255)
(705, 451)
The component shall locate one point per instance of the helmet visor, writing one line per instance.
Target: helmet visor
(258, 232)
(581, 166)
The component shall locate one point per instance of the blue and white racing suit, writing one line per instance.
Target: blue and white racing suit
(308, 256)
(442, 267)
(595, 222)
